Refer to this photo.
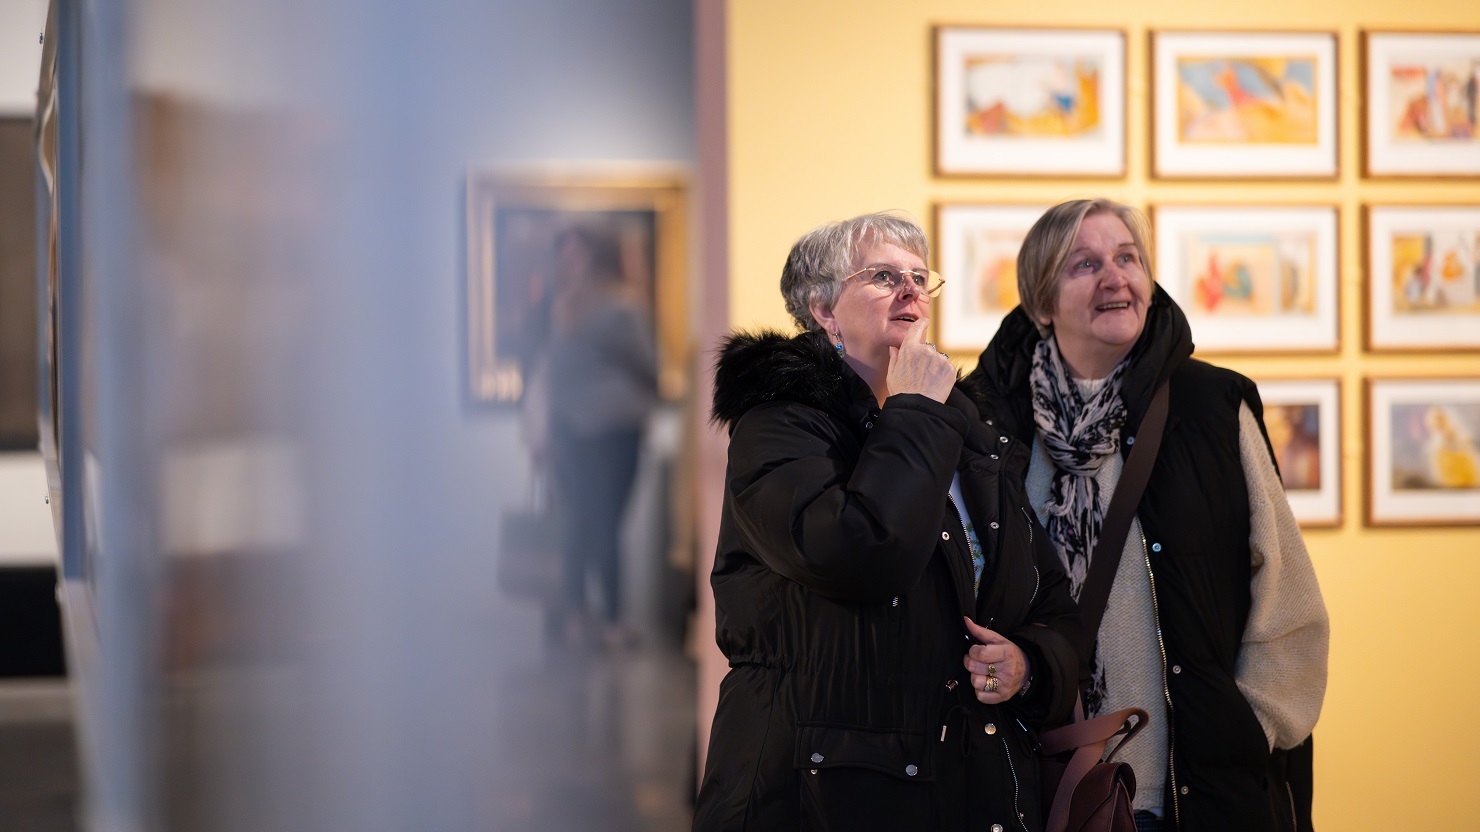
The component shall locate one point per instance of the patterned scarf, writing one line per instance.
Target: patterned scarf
(1078, 435)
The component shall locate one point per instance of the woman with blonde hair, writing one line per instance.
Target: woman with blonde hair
(1214, 621)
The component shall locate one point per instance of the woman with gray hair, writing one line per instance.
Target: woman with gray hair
(1213, 621)
(873, 527)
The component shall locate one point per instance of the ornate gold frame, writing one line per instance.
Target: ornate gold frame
(497, 378)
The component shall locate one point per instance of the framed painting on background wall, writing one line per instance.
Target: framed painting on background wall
(1029, 102)
(1234, 105)
(1303, 419)
(1423, 452)
(513, 222)
(1422, 103)
(1252, 279)
(977, 255)
(1423, 270)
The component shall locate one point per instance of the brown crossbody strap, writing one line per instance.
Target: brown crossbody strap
(1117, 522)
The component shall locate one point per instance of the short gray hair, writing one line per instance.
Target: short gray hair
(822, 257)
(1051, 239)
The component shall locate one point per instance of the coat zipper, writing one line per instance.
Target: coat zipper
(1037, 576)
(966, 538)
(1016, 808)
(1294, 820)
(1166, 687)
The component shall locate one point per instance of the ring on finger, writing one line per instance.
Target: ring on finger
(992, 669)
(990, 686)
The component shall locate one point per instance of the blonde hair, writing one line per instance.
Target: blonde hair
(1047, 247)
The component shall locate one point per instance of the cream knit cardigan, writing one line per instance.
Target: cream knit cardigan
(1281, 666)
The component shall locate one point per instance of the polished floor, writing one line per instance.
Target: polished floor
(586, 738)
(39, 789)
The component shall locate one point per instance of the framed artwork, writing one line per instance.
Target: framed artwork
(1252, 104)
(1252, 279)
(1423, 269)
(1303, 419)
(1423, 452)
(1029, 102)
(1422, 103)
(513, 278)
(978, 247)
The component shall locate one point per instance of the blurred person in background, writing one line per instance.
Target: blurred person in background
(1215, 623)
(600, 385)
(873, 528)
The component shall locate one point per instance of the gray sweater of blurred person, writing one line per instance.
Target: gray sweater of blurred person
(603, 372)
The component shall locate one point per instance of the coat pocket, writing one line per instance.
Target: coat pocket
(856, 778)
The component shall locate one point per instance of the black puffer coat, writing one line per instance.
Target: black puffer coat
(840, 582)
(1195, 517)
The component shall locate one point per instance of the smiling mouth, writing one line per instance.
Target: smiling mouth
(906, 318)
(1120, 304)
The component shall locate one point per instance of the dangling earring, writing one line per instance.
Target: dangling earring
(839, 345)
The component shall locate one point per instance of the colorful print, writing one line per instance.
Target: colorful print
(1251, 274)
(1436, 272)
(1032, 96)
(1295, 434)
(991, 263)
(1435, 101)
(1434, 446)
(1243, 100)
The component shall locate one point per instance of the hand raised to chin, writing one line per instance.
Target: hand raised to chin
(915, 366)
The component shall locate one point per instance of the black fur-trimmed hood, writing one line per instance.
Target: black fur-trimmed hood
(753, 368)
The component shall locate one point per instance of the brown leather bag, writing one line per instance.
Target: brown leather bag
(1081, 793)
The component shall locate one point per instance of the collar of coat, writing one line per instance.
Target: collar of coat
(1001, 376)
(758, 367)
(769, 366)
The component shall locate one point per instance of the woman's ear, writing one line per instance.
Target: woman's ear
(823, 314)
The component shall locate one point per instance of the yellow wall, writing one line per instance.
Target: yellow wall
(830, 116)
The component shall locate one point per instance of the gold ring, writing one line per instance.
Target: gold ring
(992, 669)
(991, 685)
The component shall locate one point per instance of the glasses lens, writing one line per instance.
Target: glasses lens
(886, 279)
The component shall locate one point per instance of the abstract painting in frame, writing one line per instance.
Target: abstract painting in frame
(514, 219)
(1423, 452)
(1423, 271)
(978, 247)
(1232, 105)
(1029, 102)
(1252, 279)
(1422, 96)
(1303, 420)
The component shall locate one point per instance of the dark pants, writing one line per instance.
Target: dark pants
(594, 475)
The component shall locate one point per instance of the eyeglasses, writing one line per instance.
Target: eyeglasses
(889, 279)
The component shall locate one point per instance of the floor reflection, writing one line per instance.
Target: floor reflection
(595, 739)
(38, 760)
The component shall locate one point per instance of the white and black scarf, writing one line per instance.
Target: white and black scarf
(1079, 436)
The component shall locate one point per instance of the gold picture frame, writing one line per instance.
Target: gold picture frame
(1244, 105)
(512, 218)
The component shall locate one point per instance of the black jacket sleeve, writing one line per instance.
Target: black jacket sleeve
(850, 521)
